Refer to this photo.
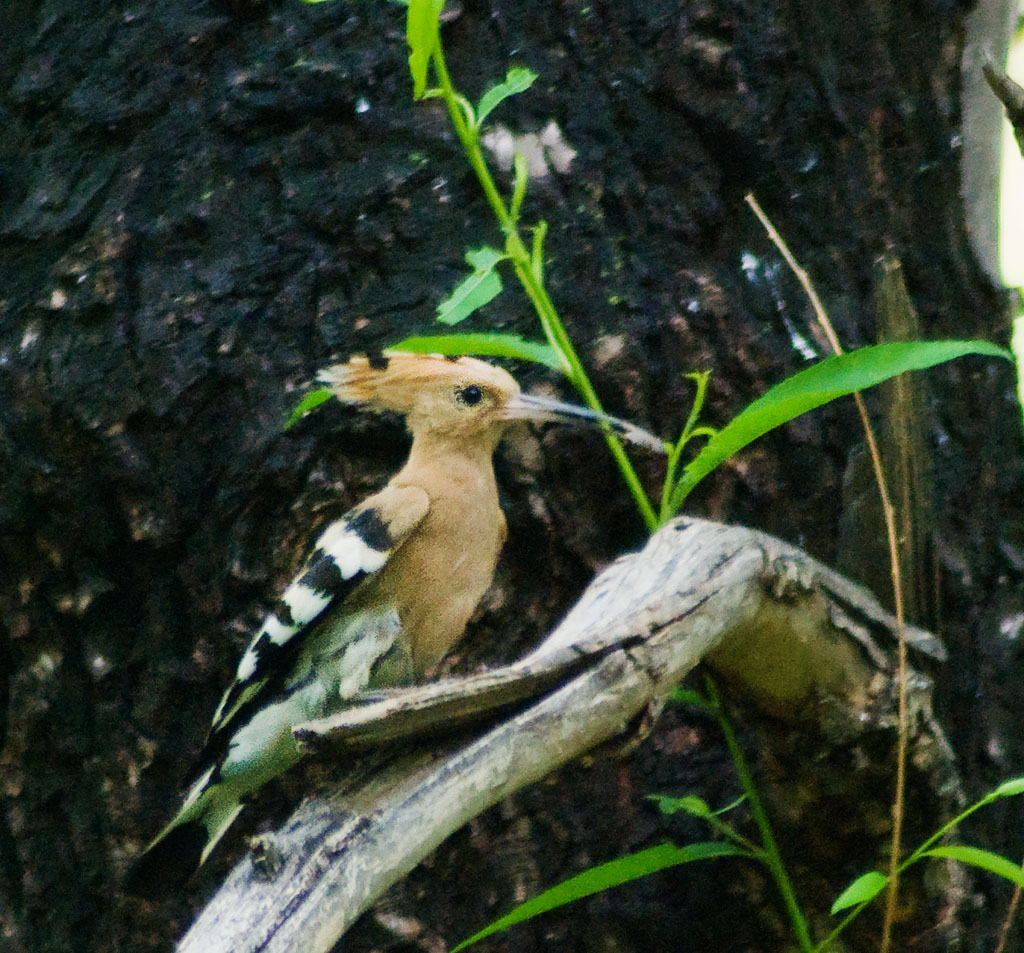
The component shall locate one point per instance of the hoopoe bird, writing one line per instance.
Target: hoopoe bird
(386, 593)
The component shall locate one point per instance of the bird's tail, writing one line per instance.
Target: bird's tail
(180, 849)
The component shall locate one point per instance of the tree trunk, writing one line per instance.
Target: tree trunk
(202, 203)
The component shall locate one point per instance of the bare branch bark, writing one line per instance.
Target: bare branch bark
(804, 642)
(1011, 95)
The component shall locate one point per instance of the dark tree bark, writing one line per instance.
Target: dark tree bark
(201, 203)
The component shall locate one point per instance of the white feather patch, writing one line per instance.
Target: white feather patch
(278, 632)
(305, 604)
(349, 552)
(247, 665)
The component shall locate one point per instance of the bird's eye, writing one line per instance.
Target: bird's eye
(470, 395)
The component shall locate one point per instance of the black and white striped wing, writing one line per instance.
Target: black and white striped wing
(347, 552)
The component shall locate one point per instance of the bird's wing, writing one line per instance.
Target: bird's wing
(351, 549)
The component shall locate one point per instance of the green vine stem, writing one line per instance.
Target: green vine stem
(769, 852)
(669, 503)
(532, 283)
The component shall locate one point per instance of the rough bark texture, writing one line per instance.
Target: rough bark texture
(202, 202)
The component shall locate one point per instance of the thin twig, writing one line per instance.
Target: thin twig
(892, 894)
(1011, 914)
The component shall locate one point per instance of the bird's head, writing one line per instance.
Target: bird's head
(460, 398)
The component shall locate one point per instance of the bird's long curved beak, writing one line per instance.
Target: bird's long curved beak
(532, 407)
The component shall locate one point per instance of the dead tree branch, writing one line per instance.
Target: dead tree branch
(804, 643)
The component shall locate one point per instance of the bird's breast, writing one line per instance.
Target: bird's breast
(438, 576)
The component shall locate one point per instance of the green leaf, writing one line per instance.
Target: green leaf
(866, 887)
(487, 344)
(985, 859)
(310, 402)
(810, 388)
(620, 871)
(691, 804)
(474, 291)
(421, 31)
(1010, 788)
(484, 258)
(517, 80)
